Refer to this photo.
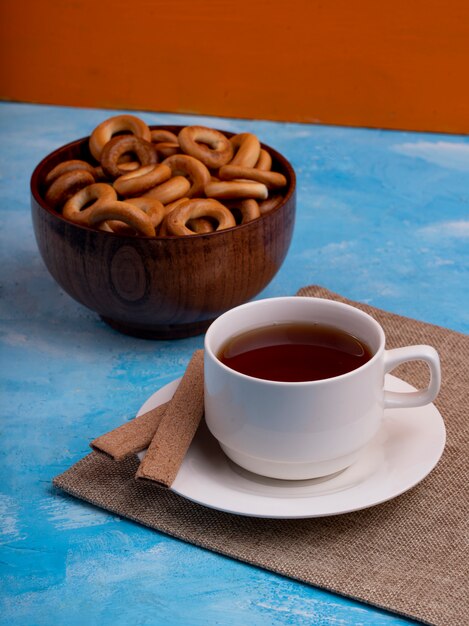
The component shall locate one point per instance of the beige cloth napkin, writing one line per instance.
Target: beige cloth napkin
(408, 555)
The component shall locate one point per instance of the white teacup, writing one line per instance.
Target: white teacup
(299, 430)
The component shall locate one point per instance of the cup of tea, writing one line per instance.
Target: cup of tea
(294, 386)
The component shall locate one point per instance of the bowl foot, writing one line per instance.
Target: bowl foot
(164, 331)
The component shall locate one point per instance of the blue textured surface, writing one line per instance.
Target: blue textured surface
(383, 217)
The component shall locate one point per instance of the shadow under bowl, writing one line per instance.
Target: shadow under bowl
(160, 287)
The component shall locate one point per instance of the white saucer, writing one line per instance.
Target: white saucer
(405, 450)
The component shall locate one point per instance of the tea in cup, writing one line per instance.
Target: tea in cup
(294, 386)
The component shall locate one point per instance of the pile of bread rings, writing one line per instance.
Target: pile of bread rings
(155, 183)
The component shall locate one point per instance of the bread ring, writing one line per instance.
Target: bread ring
(198, 207)
(78, 208)
(206, 144)
(68, 166)
(141, 180)
(272, 180)
(168, 208)
(200, 225)
(105, 131)
(248, 209)
(123, 212)
(236, 189)
(117, 147)
(270, 203)
(193, 169)
(161, 135)
(155, 210)
(173, 205)
(247, 148)
(165, 149)
(66, 186)
(264, 161)
(171, 190)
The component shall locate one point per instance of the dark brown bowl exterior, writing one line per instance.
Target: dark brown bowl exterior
(163, 287)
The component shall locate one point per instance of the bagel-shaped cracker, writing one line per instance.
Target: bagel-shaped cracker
(139, 181)
(191, 168)
(155, 210)
(201, 225)
(137, 219)
(206, 144)
(171, 190)
(272, 180)
(168, 208)
(107, 129)
(66, 186)
(236, 189)
(78, 208)
(247, 149)
(68, 166)
(127, 144)
(176, 221)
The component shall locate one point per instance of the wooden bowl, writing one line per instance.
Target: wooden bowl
(160, 287)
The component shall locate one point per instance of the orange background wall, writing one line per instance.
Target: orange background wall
(399, 64)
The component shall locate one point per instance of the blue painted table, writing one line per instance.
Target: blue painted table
(383, 217)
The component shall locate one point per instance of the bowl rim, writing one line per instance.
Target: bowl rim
(34, 189)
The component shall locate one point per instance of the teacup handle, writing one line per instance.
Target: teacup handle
(393, 358)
